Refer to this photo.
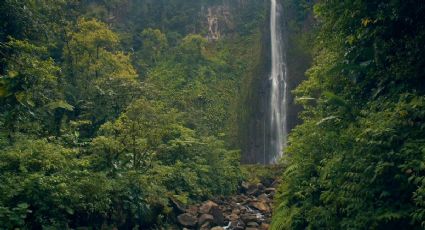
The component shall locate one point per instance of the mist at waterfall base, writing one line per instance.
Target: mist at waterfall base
(278, 87)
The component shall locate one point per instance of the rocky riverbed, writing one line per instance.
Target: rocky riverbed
(250, 210)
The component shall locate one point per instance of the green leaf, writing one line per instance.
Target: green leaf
(3, 91)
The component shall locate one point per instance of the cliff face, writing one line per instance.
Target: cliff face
(254, 129)
(254, 104)
(299, 23)
(214, 18)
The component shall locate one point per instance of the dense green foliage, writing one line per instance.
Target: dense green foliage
(357, 161)
(108, 111)
(112, 110)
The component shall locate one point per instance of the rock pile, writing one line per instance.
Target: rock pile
(250, 210)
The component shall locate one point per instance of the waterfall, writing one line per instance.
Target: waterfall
(273, 114)
(278, 86)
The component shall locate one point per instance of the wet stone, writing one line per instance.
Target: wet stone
(252, 225)
(187, 220)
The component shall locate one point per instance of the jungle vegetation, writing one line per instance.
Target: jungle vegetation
(358, 159)
(109, 109)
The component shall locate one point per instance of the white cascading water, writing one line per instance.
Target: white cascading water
(279, 86)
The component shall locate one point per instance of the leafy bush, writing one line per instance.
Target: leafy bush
(357, 160)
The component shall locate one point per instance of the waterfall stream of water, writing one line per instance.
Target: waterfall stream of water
(279, 86)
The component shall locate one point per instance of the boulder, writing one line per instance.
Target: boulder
(239, 199)
(263, 197)
(242, 198)
(187, 220)
(260, 205)
(249, 218)
(206, 207)
(192, 209)
(178, 206)
(252, 190)
(205, 218)
(270, 191)
(264, 226)
(236, 211)
(238, 225)
(217, 228)
(267, 182)
(218, 215)
(233, 217)
(244, 186)
(243, 209)
(260, 187)
(252, 225)
(205, 226)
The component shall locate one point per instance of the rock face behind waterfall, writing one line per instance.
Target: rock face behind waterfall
(258, 141)
(268, 129)
(278, 86)
(251, 210)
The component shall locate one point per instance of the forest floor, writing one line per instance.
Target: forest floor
(250, 209)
